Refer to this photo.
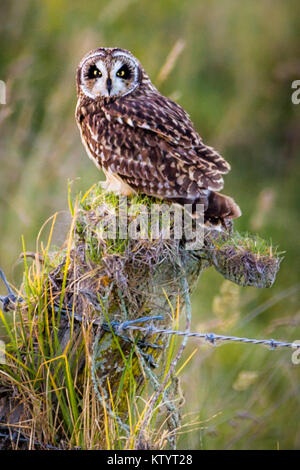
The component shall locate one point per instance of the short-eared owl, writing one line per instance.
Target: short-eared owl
(143, 141)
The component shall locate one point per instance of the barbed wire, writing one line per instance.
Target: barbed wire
(211, 338)
(150, 330)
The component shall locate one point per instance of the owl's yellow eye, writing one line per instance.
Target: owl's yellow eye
(124, 72)
(93, 72)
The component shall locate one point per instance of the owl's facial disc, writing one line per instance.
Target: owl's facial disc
(113, 75)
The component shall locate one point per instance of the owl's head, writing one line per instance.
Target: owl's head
(108, 72)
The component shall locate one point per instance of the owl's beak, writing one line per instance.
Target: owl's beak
(108, 85)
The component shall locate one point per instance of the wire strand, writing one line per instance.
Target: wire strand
(208, 337)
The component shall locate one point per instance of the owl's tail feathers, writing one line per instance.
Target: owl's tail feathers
(221, 207)
(217, 207)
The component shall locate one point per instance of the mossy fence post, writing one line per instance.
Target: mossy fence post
(96, 284)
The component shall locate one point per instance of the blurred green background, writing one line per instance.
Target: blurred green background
(234, 78)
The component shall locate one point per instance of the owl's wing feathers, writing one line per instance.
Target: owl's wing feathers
(170, 126)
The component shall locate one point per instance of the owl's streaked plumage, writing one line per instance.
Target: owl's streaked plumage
(143, 141)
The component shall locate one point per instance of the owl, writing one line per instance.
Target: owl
(144, 142)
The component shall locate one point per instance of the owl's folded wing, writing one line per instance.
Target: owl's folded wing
(145, 160)
(157, 114)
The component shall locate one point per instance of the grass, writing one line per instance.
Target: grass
(253, 243)
(53, 364)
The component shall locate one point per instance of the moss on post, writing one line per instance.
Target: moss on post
(74, 299)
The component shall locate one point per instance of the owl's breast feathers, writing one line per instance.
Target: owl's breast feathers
(149, 142)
